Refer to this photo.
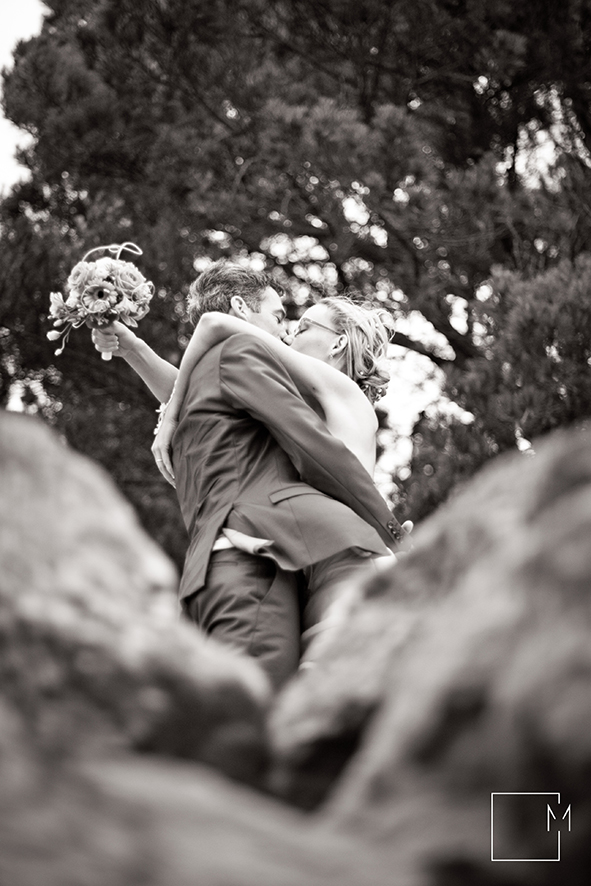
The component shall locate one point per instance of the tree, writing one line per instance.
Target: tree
(533, 376)
(370, 147)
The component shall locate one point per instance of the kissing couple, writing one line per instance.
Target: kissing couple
(271, 447)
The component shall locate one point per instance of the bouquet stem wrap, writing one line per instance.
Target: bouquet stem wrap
(93, 324)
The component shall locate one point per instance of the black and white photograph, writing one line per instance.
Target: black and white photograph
(295, 443)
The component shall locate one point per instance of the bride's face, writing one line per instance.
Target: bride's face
(316, 335)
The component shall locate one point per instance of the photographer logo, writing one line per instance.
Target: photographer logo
(530, 818)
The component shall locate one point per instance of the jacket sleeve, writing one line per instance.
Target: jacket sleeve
(253, 379)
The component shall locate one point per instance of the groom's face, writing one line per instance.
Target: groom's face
(270, 315)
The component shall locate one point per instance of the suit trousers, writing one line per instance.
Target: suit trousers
(332, 585)
(251, 604)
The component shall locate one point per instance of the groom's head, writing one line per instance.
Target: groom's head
(242, 292)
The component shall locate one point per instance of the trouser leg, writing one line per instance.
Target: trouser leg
(331, 585)
(252, 605)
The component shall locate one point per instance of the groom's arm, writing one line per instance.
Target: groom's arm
(253, 379)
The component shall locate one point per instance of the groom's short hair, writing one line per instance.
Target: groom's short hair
(214, 288)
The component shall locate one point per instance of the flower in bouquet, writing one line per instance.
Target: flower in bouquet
(99, 292)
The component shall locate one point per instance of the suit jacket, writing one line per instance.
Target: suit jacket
(250, 454)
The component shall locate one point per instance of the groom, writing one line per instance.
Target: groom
(251, 456)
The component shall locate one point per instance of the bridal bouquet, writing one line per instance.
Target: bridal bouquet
(99, 292)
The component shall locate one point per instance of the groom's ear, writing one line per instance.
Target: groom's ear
(238, 307)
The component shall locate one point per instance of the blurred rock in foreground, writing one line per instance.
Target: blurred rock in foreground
(473, 653)
(141, 820)
(93, 654)
(95, 666)
(464, 670)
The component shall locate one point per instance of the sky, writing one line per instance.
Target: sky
(20, 19)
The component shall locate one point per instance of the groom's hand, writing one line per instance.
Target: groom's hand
(406, 542)
(116, 339)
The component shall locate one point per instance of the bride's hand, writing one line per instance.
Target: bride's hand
(161, 447)
(116, 338)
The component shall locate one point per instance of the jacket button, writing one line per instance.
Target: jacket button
(395, 530)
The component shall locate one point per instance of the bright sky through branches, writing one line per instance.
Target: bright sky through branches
(20, 20)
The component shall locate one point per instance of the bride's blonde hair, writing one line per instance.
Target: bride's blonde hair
(368, 333)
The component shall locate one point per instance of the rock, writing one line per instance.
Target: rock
(464, 670)
(492, 692)
(157, 822)
(204, 829)
(318, 720)
(56, 827)
(94, 655)
(95, 666)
